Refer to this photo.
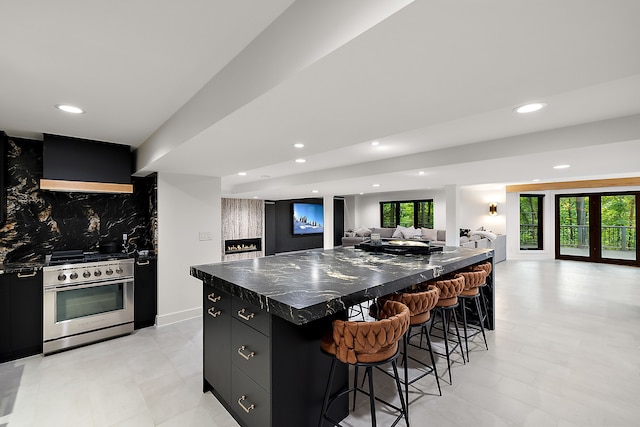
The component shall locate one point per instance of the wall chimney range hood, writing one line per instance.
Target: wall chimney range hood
(81, 165)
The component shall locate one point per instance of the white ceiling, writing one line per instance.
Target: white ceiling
(218, 87)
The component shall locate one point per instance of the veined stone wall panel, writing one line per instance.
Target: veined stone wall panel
(242, 219)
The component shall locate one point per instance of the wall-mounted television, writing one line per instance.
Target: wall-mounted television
(308, 218)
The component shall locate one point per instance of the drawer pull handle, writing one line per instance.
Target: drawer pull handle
(248, 316)
(246, 409)
(143, 262)
(22, 276)
(213, 298)
(246, 356)
(213, 313)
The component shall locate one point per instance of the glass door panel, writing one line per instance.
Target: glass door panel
(574, 225)
(406, 214)
(618, 227)
(76, 303)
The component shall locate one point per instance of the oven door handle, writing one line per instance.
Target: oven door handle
(55, 288)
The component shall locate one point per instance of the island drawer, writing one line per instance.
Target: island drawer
(250, 351)
(251, 315)
(250, 401)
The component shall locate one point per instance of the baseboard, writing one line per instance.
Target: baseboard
(178, 316)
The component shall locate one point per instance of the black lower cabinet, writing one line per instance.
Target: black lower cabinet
(22, 319)
(217, 342)
(145, 293)
(5, 326)
(266, 371)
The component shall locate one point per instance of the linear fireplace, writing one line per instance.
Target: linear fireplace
(237, 246)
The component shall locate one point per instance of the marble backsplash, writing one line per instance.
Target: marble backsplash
(38, 222)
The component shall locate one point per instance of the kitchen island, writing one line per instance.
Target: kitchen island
(264, 317)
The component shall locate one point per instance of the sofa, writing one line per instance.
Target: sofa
(470, 239)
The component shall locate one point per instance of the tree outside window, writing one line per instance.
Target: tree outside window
(531, 221)
(416, 213)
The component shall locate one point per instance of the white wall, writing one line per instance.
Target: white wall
(187, 205)
(367, 206)
(474, 208)
(349, 213)
(473, 211)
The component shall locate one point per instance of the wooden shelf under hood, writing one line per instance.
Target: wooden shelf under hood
(85, 187)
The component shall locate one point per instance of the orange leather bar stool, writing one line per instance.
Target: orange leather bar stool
(446, 306)
(420, 305)
(487, 268)
(367, 344)
(473, 281)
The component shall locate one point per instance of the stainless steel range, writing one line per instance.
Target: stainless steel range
(87, 298)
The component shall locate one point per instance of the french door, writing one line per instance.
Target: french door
(599, 227)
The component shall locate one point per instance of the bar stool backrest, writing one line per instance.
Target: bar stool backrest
(370, 342)
(473, 279)
(486, 267)
(449, 290)
(420, 303)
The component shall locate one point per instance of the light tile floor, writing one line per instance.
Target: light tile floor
(565, 353)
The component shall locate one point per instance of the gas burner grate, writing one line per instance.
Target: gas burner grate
(77, 256)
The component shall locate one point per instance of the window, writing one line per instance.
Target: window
(416, 213)
(531, 221)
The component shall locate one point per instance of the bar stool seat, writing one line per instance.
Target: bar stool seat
(367, 344)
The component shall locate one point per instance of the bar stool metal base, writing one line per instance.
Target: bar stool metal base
(328, 400)
(433, 368)
(466, 326)
(449, 310)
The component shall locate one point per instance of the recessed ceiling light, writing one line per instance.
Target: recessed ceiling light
(69, 109)
(361, 194)
(421, 173)
(376, 185)
(300, 160)
(561, 166)
(374, 143)
(298, 145)
(314, 191)
(255, 197)
(242, 173)
(530, 108)
(536, 180)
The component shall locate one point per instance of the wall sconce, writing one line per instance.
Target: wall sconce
(493, 208)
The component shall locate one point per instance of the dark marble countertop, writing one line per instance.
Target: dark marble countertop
(305, 286)
(20, 267)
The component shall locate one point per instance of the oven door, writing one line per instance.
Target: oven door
(75, 309)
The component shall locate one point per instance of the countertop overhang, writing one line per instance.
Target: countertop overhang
(305, 286)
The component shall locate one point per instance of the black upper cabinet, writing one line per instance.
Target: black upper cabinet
(74, 159)
(145, 293)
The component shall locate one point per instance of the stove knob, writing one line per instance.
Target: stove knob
(62, 277)
(97, 273)
(73, 276)
(109, 272)
(119, 270)
(86, 274)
